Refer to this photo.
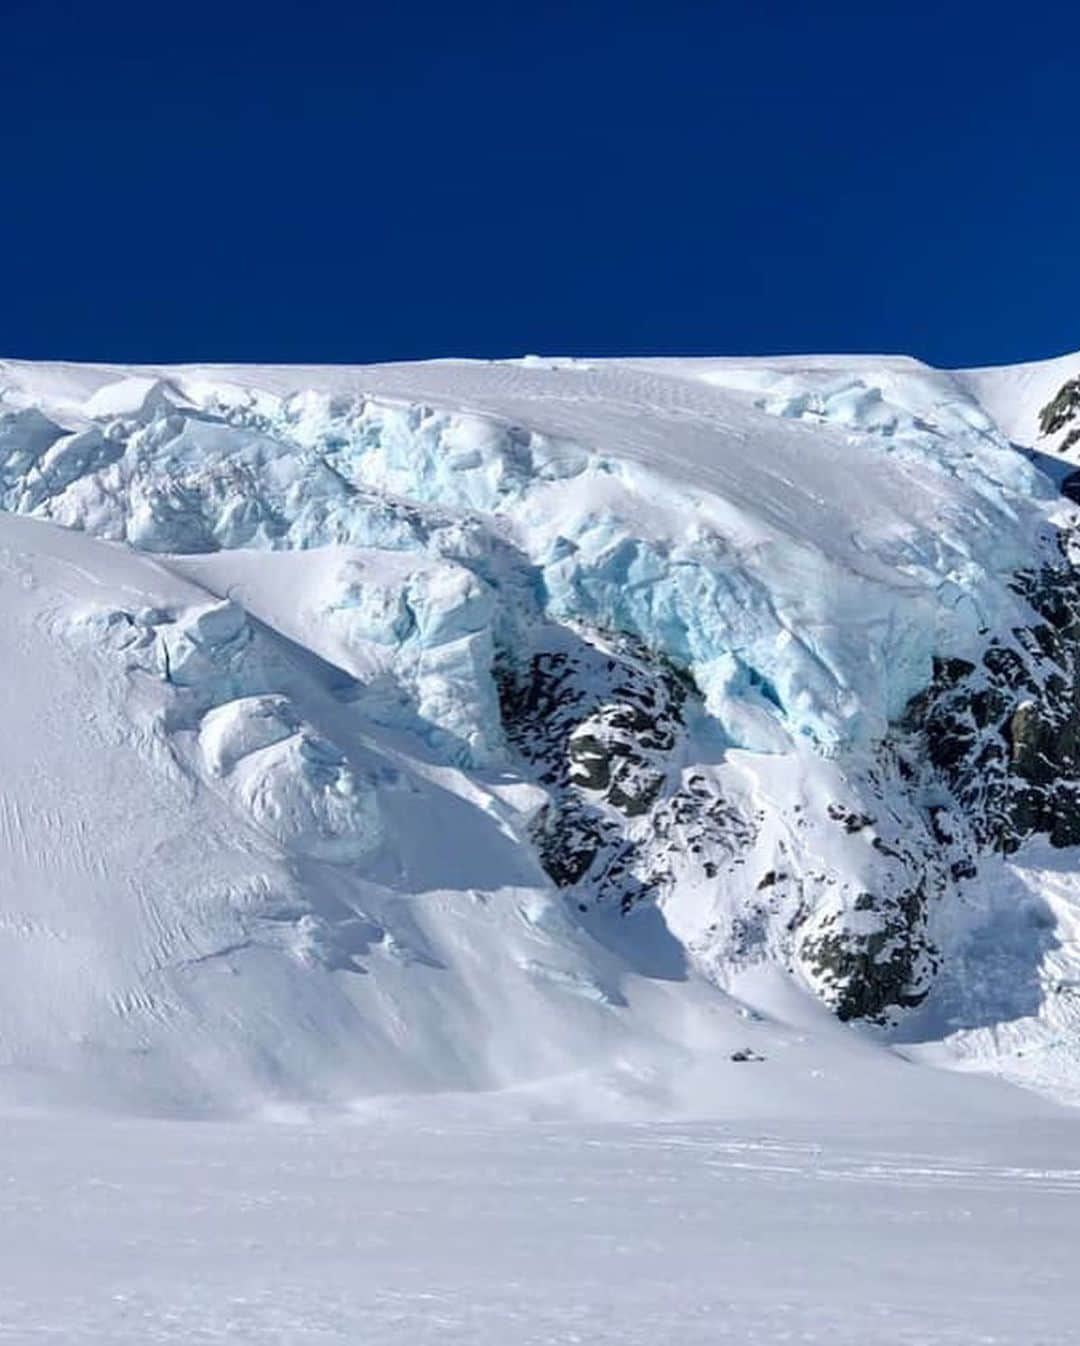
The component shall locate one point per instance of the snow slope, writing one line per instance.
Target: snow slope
(469, 725)
(222, 888)
(1015, 395)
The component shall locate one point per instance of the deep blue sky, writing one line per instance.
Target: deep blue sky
(348, 182)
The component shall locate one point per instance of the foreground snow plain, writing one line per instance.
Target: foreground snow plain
(299, 1043)
(398, 1231)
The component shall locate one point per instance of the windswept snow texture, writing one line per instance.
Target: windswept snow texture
(447, 1230)
(466, 725)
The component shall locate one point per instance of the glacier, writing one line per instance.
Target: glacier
(471, 724)
(811, 627)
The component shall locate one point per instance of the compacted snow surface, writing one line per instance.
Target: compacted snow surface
(448, 1231)
(488, 854)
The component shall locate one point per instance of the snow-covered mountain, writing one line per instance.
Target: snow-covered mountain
(550, 724)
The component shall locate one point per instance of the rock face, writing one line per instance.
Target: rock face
(1004, 735)
(985, 757)
(865, 975)
(633, 818)
(1062, 412)
(601, 726)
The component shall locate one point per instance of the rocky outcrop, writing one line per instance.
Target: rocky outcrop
(867, 950)
(867, 973)
(604, 729)
(600, 726)
(987, 755)
(1063, 412)
(1004, 734)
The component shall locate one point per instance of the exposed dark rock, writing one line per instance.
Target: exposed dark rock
(852, 820)
(864, 975)
(987, 755)
(1063, 408)
(1006, 738)
(599, 728)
